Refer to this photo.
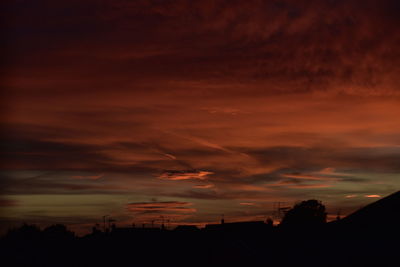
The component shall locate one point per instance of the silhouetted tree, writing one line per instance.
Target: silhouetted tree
(305, 214)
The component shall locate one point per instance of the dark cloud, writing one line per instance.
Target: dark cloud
(48, 148)
(304, 45)
(8, 202)
(317, 158)
(52, 183)
(160, 207)
(37, 154)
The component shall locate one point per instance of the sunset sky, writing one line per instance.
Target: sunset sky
(192, 109)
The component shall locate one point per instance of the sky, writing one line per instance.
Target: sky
(184, 110)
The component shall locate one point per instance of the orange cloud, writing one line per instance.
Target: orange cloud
(307, 177)
(327, 170)
(204, 186)
(185, 175)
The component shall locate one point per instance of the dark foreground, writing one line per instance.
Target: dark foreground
(331, 245)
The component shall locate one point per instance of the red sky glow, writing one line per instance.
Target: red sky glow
(189, 109)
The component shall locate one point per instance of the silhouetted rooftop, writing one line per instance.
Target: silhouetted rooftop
(237, 225)
(186, 228)
(382, 213)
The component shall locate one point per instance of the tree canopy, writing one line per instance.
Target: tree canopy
(304, 214)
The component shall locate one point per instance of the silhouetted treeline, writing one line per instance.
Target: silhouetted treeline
(303, 239)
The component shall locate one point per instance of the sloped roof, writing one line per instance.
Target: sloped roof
(384, 212)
